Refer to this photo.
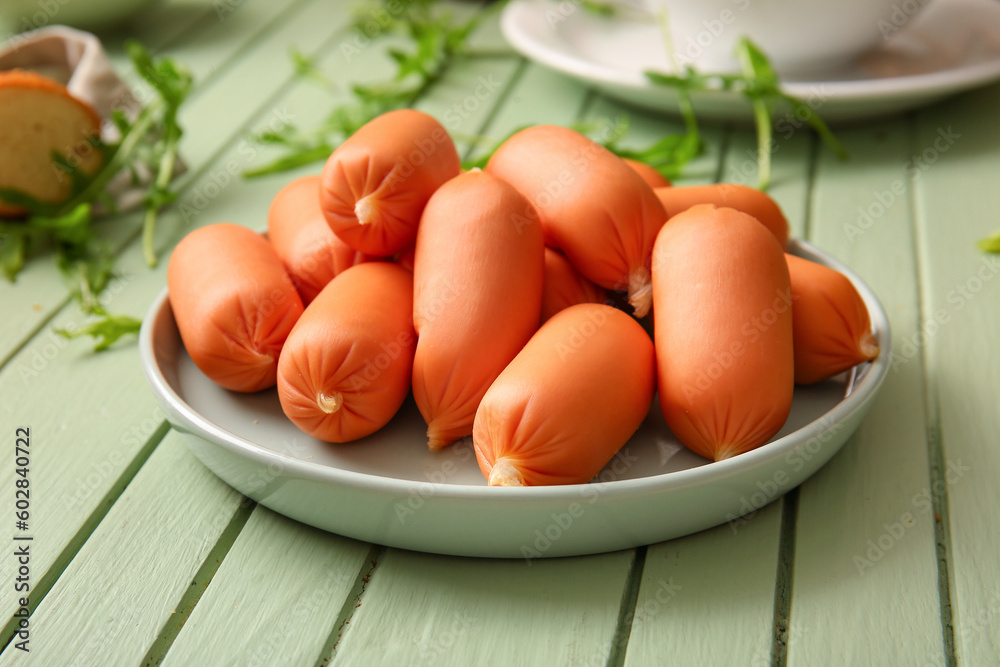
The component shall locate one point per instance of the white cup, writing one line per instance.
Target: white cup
(797, 35)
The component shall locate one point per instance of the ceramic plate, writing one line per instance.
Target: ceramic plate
(389, 489)
(950, 46)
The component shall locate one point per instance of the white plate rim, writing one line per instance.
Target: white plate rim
(863, 390)
(938, 83)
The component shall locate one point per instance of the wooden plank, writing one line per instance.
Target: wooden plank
(462, 611)
(957, 144)
(522, 106)
(54, 385)
(162, 23)
(112, 600)
(864, 589)
(698, 589)
(692, 591)
(276, 596)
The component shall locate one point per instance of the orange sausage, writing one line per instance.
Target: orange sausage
(731, 195)
(564, 286)
(595, 209)
(653, 178)
(405, 258)
(830, 325)
(312, 253)
(477, 276)
(568, 401)
(723, 331)
(376, 184)
(345, 369)
(234, 304)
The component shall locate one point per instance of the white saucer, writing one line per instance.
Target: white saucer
(952, 45)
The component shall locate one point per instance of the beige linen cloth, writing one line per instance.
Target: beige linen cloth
(77, 60)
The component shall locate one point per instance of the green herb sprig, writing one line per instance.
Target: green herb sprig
(760, 84)
(436, 39)
(667, 155)
(148, 143)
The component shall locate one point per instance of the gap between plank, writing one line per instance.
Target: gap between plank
(814, 148)
(254, 40)
(351, 603)
(45, 583)
(935, 448)
(199, 584)
(784, 578)
(626, 612)
(491, 116)
(725, 140)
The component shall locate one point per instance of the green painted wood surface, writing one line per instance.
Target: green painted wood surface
(851, 600)
(275, 599)
(691, 588)
(956, 204)
(707, 599)
(426, 609)
(129, 521)
(111, 601)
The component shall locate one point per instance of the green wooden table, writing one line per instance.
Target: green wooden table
(888, 556)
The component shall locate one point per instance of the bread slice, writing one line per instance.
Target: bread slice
(38, 116)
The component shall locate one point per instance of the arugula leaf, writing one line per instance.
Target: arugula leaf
(435, 40)
(13, 248)
(600, 8)
(762, 81)
(760, 84)
(173, 83)
(108, 330)
(305, 68)
(148, 143)
(991, 243)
